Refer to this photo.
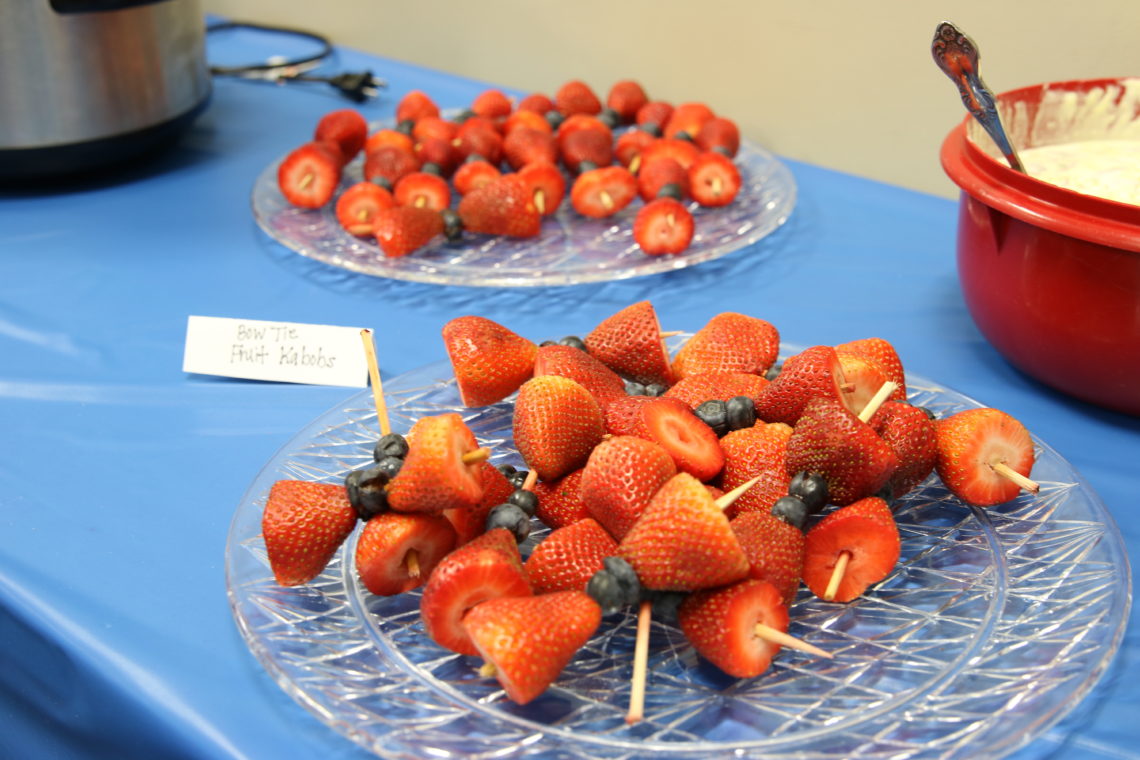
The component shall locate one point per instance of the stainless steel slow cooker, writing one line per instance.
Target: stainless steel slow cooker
(86, 83)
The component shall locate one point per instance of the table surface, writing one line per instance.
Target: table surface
(119, 474)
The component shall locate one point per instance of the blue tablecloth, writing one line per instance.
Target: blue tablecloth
(119, 473)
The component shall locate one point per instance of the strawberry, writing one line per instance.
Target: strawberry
(546, 184)
(626, 98)
(423, 190)
(402, 229)
(483, 569)
(775, 551)
(434, 476)
(883, 354)
(971, 443)
(471, 522)
(623, 416)
(663, 226)
(473, 175)
(683, 541)
(528, 119)
(758, 450)
(581, 122)
(503, 206)
(560, 501)
(396, 552)
(576, 96)
(687, 118)
(729, 342)
(434, 128)
(525, 145)
(693, 445)
(599, 193)
(345, 127)
(479, 124)
(309, 175)
(414, 106)
(721, 626)
(912, 434)
(536, 102)
(442, 153)
(489, 360)
(567, 558)
(866, 531)
(682, 151)
(698, 388)
(484, 142)
(556, 425)
(586, 145)
(718, 134)
(831, 441)
(863, 379)
(629, 342)
(714, 180)
(492, 104)
(663, 171)
(619, 479)
(530, 639)
(654, 112)
(384, 138)
(303, 525)
(388, 163)
(814, 372)
(603, 383)
(627, 149)
(356, 208)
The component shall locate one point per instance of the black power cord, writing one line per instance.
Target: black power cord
(357, 86)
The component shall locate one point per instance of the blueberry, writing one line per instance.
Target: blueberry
(634, 389)
(452, 225)
(665, 604)
(406, 126)
(651, 128)
(626, 578)
(472, 158)
(511, 517)
(554, 118)
(586, 166)
(714, 413)
(507, 469)
(389, 466)
(886, 493)
(609, 117)
(604, 588)
(929, 412)
(772, 372)
(527, 501)
(432, 168)
(547, 343)
(810, 488)
(682, 135)
(391, 445)
(366, 494)
(671, 190)
(574, 342)
(383, 182)
(655, 389)
(517, 478)
(463, 115)
(740, 412)
(724, 150)
(791, 510)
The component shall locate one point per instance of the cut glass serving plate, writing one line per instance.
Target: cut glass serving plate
(994, 624)
(571, 249)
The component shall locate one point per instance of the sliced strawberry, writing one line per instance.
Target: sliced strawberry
(400, 230)
(758, 450)
(863, 379)
(529, 640)
(682, 151)
(489, 360)
(504, 206)
(492, 104)
(971, 443)
(585, 146)
(603, 383)
(654, 112)
(434, 476)
(663, 171)
(525, 145)
(423, 190)
(576, 96)
(546, 184)
(414, 106)
(396, 552)
(775, 551)
(356, 208)
(688, 118)
(556, 425)
(309, 175)
(663, 226)
(815, 372)
(465, 578)
(567, 558)
(721, 626)
(603, 192)
(537, 102)
(626, 98)
(627, 149)
(683, 541)
(914, 437)
(866, 531)
(345, 127)
(388, 164)
(471, 522)
(714, 180)
(884, 355)
(629, 342)
(831, 441)
(303, 525)
(720, 135)
(693, 445)
(389, 138)
(472, 175)
(619, 479)
(560, 501)
(698, 388)
(729, 342)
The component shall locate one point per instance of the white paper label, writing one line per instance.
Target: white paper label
(287, 352)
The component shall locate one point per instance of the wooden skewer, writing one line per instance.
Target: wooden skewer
(634, 164)
(529, 481)
(540, 200)
(488, 670)
(836, 576)
(481, 454)
(725, 501)
(776, 636)
(877, 400)
(640, 665)
(412, 563)
(374, 376)
(671, 333)
(607, 201)
(1003, 469)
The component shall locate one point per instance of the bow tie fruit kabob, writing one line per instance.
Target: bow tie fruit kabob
(707, 485)
(500, 167)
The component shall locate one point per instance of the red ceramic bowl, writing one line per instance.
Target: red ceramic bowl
(1050, 276)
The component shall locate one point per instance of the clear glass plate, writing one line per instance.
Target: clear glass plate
(572, 249)
(995, 623)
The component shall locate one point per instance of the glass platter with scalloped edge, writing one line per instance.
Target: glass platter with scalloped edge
(571, 248)
(995, 624)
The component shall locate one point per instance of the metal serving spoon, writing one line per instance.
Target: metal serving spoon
(957, 56)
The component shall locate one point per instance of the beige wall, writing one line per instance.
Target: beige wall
(848, 85)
